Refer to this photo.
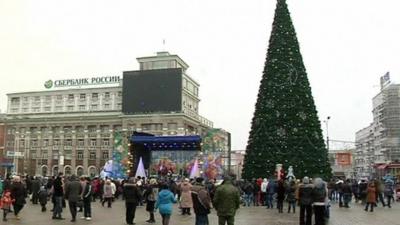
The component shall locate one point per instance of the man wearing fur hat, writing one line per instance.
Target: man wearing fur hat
(201, 202)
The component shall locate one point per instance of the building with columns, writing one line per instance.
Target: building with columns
(71, 130)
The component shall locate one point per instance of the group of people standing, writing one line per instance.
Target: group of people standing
(312, 197)
(158, 194)
(78, 193)
(369, 193)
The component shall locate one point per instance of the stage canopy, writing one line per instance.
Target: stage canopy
(169, 143)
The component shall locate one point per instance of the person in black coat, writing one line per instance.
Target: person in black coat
(73, 191)
(58, 196)
(87, 198)
(305, 200)
(19, 193)
(280, 195)
(35, 188)
(132, 196)
(43, 194)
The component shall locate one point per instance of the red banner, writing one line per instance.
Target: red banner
(343, 159)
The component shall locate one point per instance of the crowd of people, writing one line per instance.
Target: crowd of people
(78, 193)
(313, 196)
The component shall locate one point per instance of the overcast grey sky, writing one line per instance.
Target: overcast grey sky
(346, 46)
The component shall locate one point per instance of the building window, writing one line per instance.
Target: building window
(106, 142)
(172, 126)
(33, 129)
(14, 110)
(70, 108)
(146, 126)
(152, 126)
(25, 99)
(59, 97)
(68, 142)
(93, 142)
(104, 128)
(37, 98)
(92, 129)
(107, 95)
(82, 96)
(56, 130)
(95, 96)
(79, 129)
(81, 143)
(119, 93)
(79, 155)
(71, 97)
(92, 155)
(48, 98)
(45, 143)
(94, 107)
(117, 127)
(119, 106)
(67, 154)
(10, 144)
(106, 106)
(47, 109)
(15, 100)
(68, 170)
(82, 107)
(22, 143)
(25, 110)
(105, 154)
(34, 143)
(59, 108)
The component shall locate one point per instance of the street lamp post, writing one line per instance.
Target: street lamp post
(327, 132)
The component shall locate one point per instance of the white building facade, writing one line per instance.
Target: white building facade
(71, 130)
(378, 145)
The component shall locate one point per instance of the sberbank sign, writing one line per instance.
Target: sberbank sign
(82, 82)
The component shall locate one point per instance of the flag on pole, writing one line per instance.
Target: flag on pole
(385, 80)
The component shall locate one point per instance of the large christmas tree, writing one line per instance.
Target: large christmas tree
(285, 127)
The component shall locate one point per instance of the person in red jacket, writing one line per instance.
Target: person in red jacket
(5, 203)
(259, 199)
(371, 196)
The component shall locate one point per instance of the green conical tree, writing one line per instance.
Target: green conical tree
(285, 128)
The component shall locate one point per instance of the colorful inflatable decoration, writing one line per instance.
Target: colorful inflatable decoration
(164, 167)
(211, 165)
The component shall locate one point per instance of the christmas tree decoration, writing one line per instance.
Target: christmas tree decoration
(285, 126)
(140, 171)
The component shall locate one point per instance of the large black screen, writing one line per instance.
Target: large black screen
(151, 91)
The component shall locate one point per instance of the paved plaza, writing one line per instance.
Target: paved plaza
(246, 216)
